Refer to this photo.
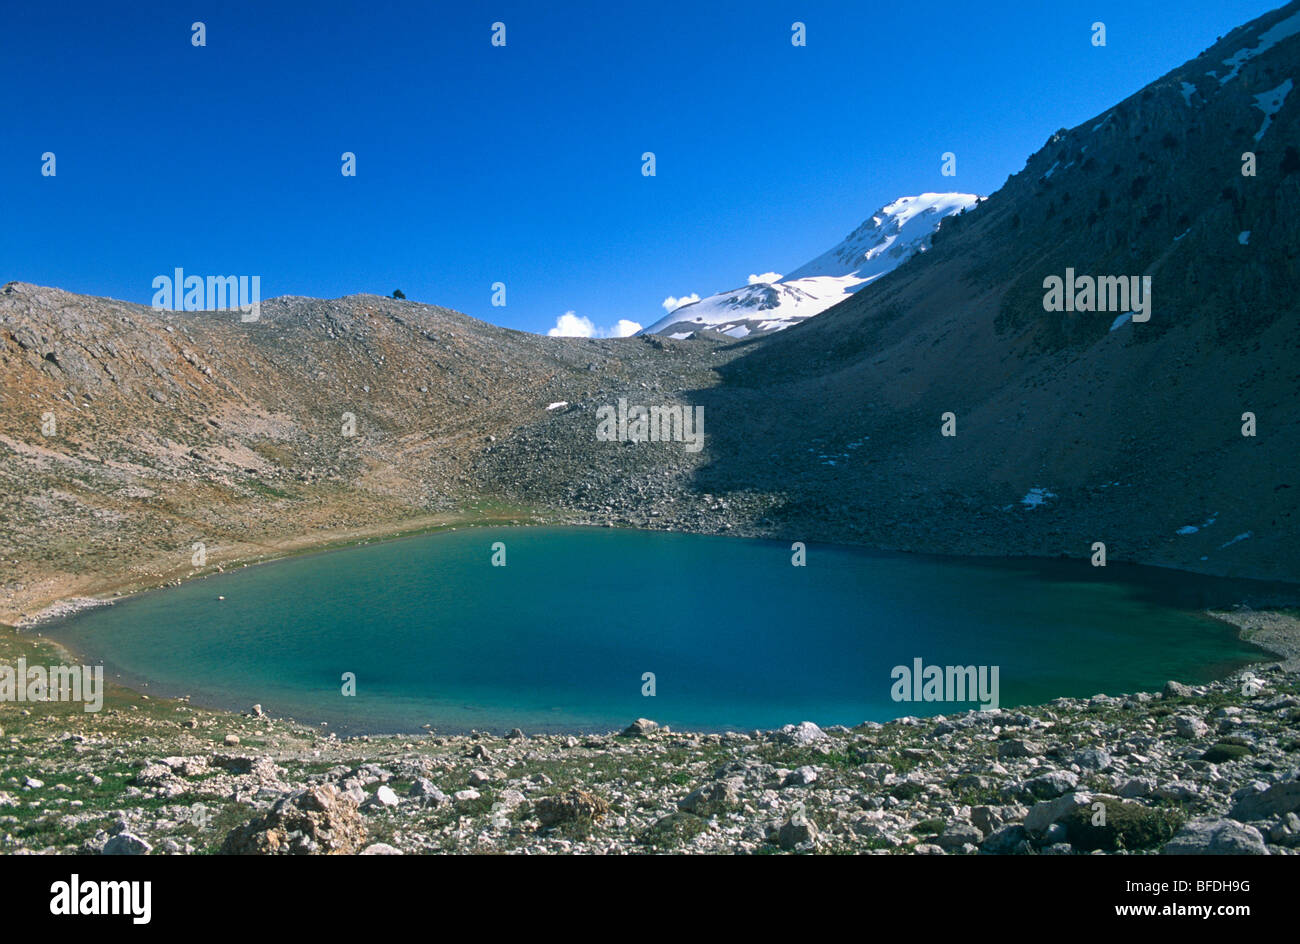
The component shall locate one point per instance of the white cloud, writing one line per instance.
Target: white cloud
(766, 277)
(672, 304)
(572, 325)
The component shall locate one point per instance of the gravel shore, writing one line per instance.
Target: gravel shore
(1208, 768)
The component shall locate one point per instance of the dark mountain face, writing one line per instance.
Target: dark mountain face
(1138, 430)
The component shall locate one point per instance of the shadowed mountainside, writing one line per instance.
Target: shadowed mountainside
(1136, 431)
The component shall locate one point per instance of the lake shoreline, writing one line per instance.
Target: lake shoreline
(1190, 769)
(1275, 632)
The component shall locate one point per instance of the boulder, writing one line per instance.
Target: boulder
(321, 820)
(801, 734)
(1008, 840)
(797, 833)
(712, 798)
(1044, 814)
(956, 835)
(801, 777)
(1258, 801)
(574, 806)
(125, 843)
(1216, 837)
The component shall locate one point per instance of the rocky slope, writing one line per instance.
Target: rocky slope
(128, 435)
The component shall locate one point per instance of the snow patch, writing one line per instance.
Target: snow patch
(1269, 102)
(1193, 528)
(1240, 537)
(559, 404)
(1036, 497)
(1244, 237)
(1188, 90)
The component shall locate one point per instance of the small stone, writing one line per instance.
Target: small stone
(385, 796)
(380, 848)
(1177, 790)
(1052, 784)
(1092, 758)
(424, 790)
(232, 740)
(801, 777)
(1189, 726)
(1019, 748)
(1138, 787)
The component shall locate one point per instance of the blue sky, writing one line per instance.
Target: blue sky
(522, 164)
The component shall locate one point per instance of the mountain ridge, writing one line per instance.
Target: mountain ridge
(894, 233)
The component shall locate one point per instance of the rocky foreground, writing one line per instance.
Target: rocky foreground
(1193, 769)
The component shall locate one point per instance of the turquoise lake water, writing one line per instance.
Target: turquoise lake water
(561, 637)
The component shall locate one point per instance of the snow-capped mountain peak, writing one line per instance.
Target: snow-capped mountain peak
(893, 234)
